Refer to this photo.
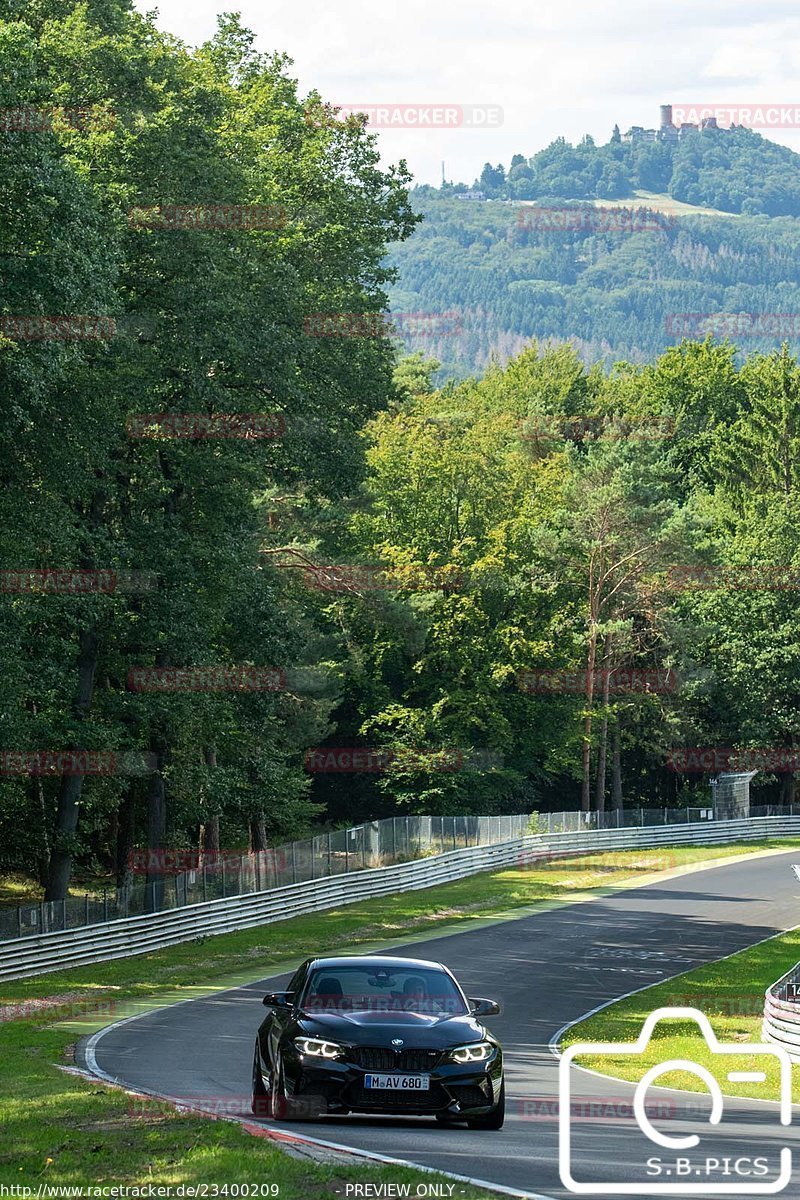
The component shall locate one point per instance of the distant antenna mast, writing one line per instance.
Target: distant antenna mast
(443, 174)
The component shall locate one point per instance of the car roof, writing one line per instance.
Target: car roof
(375, 961)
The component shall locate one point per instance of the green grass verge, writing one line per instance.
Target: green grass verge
(729, 992)
(65, 1131)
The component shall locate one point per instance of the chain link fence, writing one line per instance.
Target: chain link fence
(215, 876)
(376, 844)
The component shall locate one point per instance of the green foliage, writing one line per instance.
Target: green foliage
(621, 287)
(209, 321)
(735, 170)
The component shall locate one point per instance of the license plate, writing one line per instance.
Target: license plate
(398, 1083)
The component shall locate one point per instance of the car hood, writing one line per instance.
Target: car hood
(378, 1028)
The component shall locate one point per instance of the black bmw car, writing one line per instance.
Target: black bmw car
(378, 1035)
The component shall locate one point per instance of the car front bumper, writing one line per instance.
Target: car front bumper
(334, 1086)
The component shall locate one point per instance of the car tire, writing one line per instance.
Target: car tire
(493, 1119)
(282, 1106)
(261, 1102)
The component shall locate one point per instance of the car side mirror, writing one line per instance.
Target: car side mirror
(484, 1008)
(278, 999)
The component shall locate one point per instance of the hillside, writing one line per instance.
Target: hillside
(734, 170)
(616, 288)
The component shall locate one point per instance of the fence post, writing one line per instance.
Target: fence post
(64, 914)
(205, 895)
(223, 876)
(19, 921)
(329, 852)
(394, 840)
(105, 904)
(294, 862)
(455, 843)
(41, 916)
(86, 908)
(346, 851)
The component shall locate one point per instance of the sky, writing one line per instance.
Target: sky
(528, 72)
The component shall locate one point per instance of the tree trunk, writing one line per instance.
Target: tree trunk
(71, 786)
(788, 789)
(156, 826)
(616, 766)
(600, 790)
(43, 854)
(258, 834)
(126, 829)
(587, 723)
(211, 836)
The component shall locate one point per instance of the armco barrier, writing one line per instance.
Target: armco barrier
(36, 955)
(782, 1014)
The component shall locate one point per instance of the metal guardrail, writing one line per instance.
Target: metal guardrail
(38, 955)
(782, 1013)
(167, 881)
(167, 884)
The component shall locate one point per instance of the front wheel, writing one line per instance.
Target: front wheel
(493, 1119)
(260, 1104)
(284, 1108)
(280, 1105)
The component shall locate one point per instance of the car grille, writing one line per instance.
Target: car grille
(378, 1058)
(430, 1101)
(469, 1095)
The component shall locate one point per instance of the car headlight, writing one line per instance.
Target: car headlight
(476, 1052)
(318, 1048)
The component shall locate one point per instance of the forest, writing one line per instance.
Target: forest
(735, 170)
(620, 285)
(263, 573)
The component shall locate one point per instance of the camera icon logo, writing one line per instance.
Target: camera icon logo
(687, 1174)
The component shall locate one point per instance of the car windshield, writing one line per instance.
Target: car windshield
(383, 989)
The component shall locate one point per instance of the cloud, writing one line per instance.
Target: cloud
(569, 68)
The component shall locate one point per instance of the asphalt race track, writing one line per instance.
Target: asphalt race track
(547, 970)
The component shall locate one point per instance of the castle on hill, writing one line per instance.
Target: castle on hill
(667, 132)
